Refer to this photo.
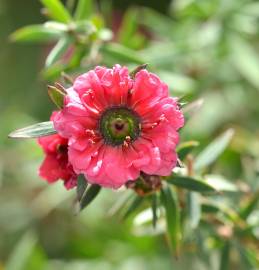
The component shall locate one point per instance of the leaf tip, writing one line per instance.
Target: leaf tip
(137, 69)
(11, 135)
(57, 95)
(230, 132)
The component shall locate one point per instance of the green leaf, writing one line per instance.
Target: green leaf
(178, 83)
(169, 200)
(249, 207)
(246, 60)
(213, 150)
(89, 195)
(34, 131)
(190, 109)
(57, 10)
(137, 69)
(250, 256)
(220, 183)
(48, 199)
(53, 72)
(144, 217)
(119, 204)
(190, 183)
(81, 186)
(185, 148)
(154, 209)
(56, 26)
(122, 53)
(84, 9)
(85, 27)
(225, 252)
(209, 208)
(57, 51)
(137, 201)
(251, 9)
(35, 33)
(194, 208)
(20, 255)
(128, 27)
(159, 23)
(57, 96)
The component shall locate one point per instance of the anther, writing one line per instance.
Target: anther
(89, 132)
(89, 92)
(91, 141)
(154, 125)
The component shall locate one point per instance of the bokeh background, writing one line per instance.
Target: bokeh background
(202, 49)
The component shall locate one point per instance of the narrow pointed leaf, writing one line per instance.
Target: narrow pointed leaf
(54, 25)
(185, 148)
(81, 186)
(119, 204)
(84, 9)
(209, 208)
(57, 96)
(133, 206)
(220, 183)
(190, 183)
(249, 256)
(53, 72)
(213, 150)
(89, 195)
(190, 109)
(57, 51)
(34, 131)
(245, 60)
(122, 53)
(129, 27)
(61, 88)
(35, 33)
(67, 78)
(250, 206)
(154, 210)
(224, 261)
(57, 10)
(137, 69)
(22, 252)
(143, 217)
(169, 200)
(194, 208)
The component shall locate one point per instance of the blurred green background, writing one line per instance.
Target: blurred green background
(201, 49)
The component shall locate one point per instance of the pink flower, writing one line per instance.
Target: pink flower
(55, 165)
(118, 126)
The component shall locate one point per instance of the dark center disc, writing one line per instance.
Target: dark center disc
(119, 123)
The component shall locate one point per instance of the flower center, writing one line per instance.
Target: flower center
(119, 125)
